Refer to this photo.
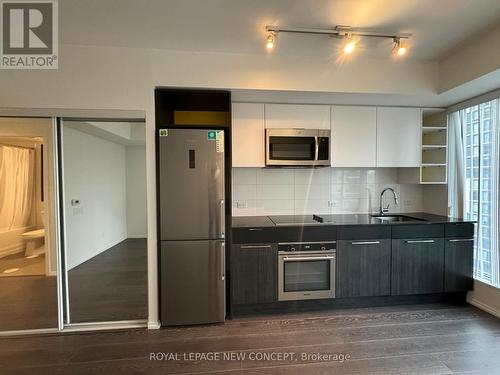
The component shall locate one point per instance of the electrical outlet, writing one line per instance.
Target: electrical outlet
(241, 204)
(332, 204)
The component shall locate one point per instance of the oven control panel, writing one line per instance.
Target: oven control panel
(306, 246)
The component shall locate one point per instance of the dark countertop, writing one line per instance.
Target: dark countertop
(347, 219)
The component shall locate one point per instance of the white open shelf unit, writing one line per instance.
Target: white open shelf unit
(433, 167)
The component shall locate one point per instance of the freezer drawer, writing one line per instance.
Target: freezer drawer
(192, 282)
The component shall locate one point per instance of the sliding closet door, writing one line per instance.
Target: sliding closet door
(28, 230)
(104, 221)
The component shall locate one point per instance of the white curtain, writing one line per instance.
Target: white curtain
(455, 165)
(474, 181)
(17, 180)
(490, 185)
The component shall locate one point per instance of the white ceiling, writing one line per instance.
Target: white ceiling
(237, 26)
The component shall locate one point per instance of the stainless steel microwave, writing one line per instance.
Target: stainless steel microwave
(297, 147)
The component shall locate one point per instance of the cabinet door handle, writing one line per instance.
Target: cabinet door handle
(461, 240)
(419, 241)
(365, 243)
(254, 229)
(255, 246)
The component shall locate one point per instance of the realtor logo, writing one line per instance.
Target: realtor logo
(29, 37)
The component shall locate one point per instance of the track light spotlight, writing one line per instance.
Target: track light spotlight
(270, 41)
(350, 44)
(399, 48)
(349, 47)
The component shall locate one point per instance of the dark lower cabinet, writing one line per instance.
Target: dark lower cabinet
(417, 266)
(458, 263)
(363, 268)
(254, 273)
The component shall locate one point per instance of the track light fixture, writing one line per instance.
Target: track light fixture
(346, 32)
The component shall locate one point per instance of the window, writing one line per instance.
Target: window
(481, 150)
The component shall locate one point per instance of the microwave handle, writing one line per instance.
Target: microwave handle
(316, 148)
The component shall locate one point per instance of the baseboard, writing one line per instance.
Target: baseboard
(154, 325)
(145, 236)
(484, 307)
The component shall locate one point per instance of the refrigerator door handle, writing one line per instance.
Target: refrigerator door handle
(222, 219)
(223, 261)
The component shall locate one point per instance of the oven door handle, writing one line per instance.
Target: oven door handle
(295, 259)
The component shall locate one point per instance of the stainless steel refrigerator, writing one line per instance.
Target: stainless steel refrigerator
(192, 226)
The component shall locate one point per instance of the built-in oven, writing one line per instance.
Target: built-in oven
(306, 270)
(298, 147)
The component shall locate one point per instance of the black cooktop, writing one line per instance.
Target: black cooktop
(302, 219)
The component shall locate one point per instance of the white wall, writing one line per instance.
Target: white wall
(258, 191)
(477, 57)
(136, 192)
(95, 173)
(486, 297)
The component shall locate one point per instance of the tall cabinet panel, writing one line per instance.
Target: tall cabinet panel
(248, 135)
(458, 264)
(398, 137)
(354, 136)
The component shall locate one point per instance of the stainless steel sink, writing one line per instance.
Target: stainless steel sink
(395, 218)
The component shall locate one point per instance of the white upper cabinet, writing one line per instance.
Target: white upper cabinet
(297, 116)
(248, 143)
(398, 137)
(354, 136)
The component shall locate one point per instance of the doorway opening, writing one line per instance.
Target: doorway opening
(103, 182)
(28, 243)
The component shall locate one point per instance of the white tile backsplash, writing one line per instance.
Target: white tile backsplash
(258, 191)
(275, 207)
(244, 192)
(311, 206)
(273, 176)
(312, 176)
(310, 192)
(275, 192)
(244, 176)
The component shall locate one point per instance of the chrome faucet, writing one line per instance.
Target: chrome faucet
(384, 210)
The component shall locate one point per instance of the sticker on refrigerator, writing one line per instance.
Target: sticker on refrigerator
(163, 132)
(219, 143)
(212, 135)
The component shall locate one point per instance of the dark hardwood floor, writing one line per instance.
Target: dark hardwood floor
(423, 339)
(28, 302)
(112, 285)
